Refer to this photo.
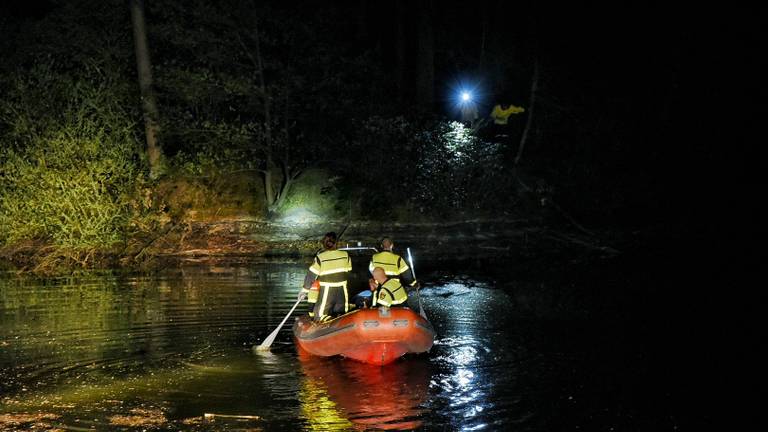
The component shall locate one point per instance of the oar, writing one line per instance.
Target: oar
(418, 295)
(271, 338)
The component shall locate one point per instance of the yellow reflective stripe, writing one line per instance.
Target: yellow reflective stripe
(385, 258)
(346, 299)
(334, 271)
(332, 254)
(385, 302)
(332, 262)
(387, 261)
(392, 285)
(393, 302)
(334, 284)
(397, 293)
(315, 267)
(312, 297)
(323, 302)
(403, 267)
(388, 270)
(328, 260)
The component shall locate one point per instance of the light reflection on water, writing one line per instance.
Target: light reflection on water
(163, 351)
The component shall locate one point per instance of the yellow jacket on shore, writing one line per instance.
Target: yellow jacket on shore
(500, 115)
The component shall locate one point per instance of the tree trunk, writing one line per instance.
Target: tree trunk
(425, 78)
(268, 176)
(148, 102)
(531, 106)
(269, 190)
(285, 188)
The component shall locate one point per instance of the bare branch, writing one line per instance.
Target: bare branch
(531, 106)
(247, 52)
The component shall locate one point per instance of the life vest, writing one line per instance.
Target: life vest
(331, 267)
(392, 263)
(390, 293)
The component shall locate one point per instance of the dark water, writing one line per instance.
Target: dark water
(544, 350)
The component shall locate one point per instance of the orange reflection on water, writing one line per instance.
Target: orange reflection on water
(338, 393)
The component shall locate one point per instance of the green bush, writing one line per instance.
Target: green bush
(69, 163)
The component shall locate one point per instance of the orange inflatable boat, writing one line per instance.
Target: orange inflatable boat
(375, 336)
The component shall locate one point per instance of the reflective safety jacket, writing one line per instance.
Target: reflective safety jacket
(390, 293)
(331, 269)
(394, 266)
(501, 116)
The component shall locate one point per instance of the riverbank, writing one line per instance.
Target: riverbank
(251, 237)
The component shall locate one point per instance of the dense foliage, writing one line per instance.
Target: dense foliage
(70, 163)
(348, 104)
(428, 168)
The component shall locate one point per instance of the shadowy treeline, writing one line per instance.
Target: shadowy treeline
(266, 95)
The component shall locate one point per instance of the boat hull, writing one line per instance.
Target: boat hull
(375, 336)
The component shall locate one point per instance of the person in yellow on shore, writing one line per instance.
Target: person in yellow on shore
(388, 291)
(501, 112)
(393, 264)
(330, 268)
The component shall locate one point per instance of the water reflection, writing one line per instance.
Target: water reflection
(339, 393)
(179, 342)
(89, 353)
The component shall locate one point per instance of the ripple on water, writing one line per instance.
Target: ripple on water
(112, 352)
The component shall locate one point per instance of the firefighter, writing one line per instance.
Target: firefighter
(393, 264)
(389, 291)
(330, 270)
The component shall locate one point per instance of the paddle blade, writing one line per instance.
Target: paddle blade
(271, 338)
(264, 346)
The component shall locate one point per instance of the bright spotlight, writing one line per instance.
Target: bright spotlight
(466, 96)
